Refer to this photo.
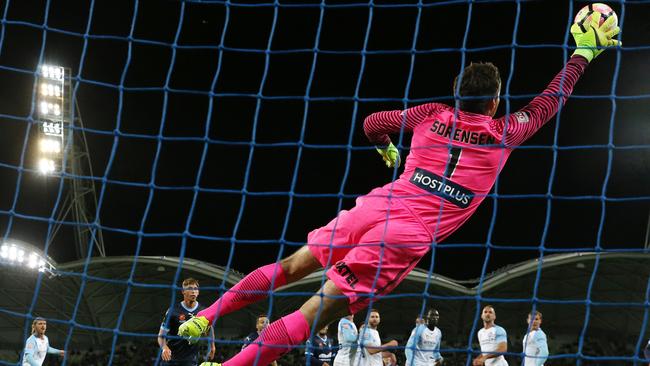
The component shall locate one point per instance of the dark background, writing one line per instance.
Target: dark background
(292, 119)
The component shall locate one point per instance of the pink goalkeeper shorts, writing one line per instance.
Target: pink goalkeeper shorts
(370, 248)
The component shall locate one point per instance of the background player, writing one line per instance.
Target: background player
(423, 346)
(38, 345)
(321, 349)
(455, 158)
(261, 324)
(493, 340)
(535, 344)
(369, 345)
(178, 351)
(347, 337)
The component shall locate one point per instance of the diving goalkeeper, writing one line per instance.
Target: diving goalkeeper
(455, 158)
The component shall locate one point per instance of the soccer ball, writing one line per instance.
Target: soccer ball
(583, 18)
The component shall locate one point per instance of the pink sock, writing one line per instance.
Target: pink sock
(242, 293)
(290, 330)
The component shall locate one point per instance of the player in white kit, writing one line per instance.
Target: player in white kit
(370, 347)
(423, 346)
(38, 345)
(535, 343)
(493, 340)
(347, 335)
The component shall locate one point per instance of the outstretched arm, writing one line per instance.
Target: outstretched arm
(379, 125)
(521, 125)
(591, 41)
(54, 351)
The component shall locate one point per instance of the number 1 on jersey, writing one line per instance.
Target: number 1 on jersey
(454, 157)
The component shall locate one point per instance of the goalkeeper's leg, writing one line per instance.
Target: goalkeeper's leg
(252, 288)
(325, 246)
(293, 329)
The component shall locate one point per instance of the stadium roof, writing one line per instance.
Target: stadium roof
(618, 298)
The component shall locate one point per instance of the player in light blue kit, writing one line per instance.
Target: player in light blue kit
(423, 346)
(535, 344)
(493, 340)
(37, 345)
(370, 348)
(347, 334)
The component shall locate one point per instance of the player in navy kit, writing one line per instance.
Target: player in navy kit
(177, 351)
(321, 349)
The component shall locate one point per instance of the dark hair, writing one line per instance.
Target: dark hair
(480, 80)
(262, 316)
(536, 314)
(374, 311)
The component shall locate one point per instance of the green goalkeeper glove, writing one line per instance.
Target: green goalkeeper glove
(390, 154)
(591, 39)
(210, 364)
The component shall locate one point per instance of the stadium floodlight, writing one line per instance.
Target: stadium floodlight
(52, 128)
(50, 90)
(52, 72)
(52, 95)
(46, 166)
(15, 254)
(49, 145)
(50, 109)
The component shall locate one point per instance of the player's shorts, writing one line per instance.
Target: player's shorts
(370, 248)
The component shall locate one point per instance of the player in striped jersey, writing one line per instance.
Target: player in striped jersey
(535, 344)
(456, 155)
(423, 346)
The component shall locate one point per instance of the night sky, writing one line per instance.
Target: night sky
(307, 98)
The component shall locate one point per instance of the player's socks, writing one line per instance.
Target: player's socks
(242, 293)
(288, 331)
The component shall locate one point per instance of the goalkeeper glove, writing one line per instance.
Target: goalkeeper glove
(591, 39)
(390, 154)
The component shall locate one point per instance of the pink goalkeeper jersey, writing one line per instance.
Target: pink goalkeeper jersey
(456, 156)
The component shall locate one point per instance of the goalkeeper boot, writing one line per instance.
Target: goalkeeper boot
(194, 328)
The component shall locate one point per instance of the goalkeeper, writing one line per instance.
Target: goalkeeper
(456, 155)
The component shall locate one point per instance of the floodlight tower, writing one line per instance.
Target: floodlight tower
(63, 140)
